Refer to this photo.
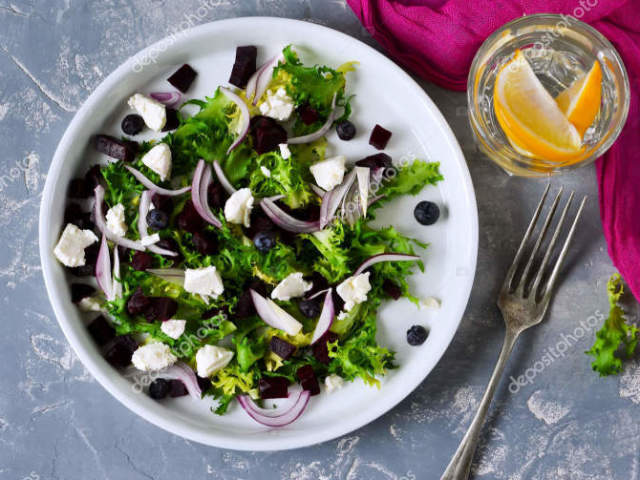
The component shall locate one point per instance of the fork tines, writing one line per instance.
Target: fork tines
(538, 290)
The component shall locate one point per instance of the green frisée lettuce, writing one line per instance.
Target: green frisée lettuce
(617, 339)
(229, 320)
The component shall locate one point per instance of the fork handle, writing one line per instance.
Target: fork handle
(460, 465)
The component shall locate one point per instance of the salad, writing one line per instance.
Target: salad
(233, 256)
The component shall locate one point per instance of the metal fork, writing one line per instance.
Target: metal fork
(522, 306)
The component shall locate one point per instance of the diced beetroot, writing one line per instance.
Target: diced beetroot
(244, 66)
(162, 308)
(379, 137)
(320, 349)
(319, 283)
(205, 242)
(74, 214)
(170, 244)
(141, 261)
(273, 387)
(138, 303)
(93, 177)
(101, 331)
(183, 78)
(267, 139)
(281, 347)
(172, 120)
(119, 355)
(121, 150)
(245, 307)
(79, 188)
(308, 115)
(203, 383)
(189, 219)
(392, 289)
(177, 389)
(217, 195)
(162, 202)
(212, 312)
(80, 291)
(260, 121)
(308, 379)
(377, 160)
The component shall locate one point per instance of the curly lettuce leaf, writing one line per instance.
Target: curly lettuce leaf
(615, 336)
(410, 179)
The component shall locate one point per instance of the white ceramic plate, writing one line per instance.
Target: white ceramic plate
(385, 95)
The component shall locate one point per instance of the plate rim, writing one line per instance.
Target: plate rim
(97, 366)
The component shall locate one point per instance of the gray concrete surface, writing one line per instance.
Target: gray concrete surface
(56, 422)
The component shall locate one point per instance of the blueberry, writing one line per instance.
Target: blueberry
(416, 335)
(264, 241)
(311, 308)
(159, 389)
(346, 130)
(132, 124)
(157, 219)
(427, 213)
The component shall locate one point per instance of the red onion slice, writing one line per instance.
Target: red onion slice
(245, 117)
(363, 174)
(265, 417)
(201, 181)
(181, 371)
(152, 186)
(385, 257)
(321, 131)
(273, 315)
(263, 77)
(250, 89)
(284, 405)
(143, 209)
(116, 286)
(102, 225)
(170, 99)
(321, 192)
(317, 294)
(173, 275)
(103, 269)
(222, 178)
(326, 318)
(286, 221)
(331, 201)
(373, 200)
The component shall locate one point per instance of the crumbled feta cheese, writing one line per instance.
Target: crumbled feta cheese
(70, 248)
(238, 207)
(284, 150)
(278, 105)
(158, 159)
(150, 239)
(203, 281)
(265, 171)
(292, 286)
(333, 382)
(330, 172)
(430, 302)
(210, 359)
(90, 304)
(116, 222)
(153, 356)
(342, 315)
(173, 328)
(354, 290)
(152, 112)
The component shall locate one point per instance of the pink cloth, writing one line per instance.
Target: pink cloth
(437, 40)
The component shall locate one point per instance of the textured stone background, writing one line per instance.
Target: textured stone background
(56, 422)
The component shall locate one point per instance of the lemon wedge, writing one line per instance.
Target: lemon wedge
(580, 102)
(530, 117)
